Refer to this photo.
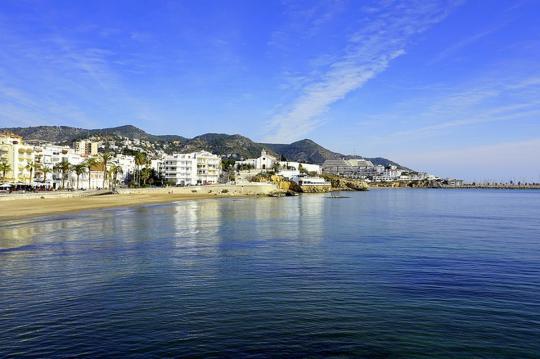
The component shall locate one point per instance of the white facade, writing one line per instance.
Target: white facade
(288, 165)
(390, 173)
(48, 156)
(289, 174)
(127, 163)
(188, 169)
(157, 165)
(263, 162)
(303, 180)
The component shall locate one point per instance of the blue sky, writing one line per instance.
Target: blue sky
(450, 87)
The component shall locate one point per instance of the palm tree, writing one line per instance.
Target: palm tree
(90, 163)
(146, 173)
(79, 169)
(44, 171)
(105, 158)
(114, 171)
(64, 168)
(140, 159)
(4, 168)
(30, 166)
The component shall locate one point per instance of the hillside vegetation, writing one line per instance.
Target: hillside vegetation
(235, 146)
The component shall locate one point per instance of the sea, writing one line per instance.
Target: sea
(388, 273)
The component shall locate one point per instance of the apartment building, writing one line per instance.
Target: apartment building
(86, 148)
(19, 158)
(188, 169)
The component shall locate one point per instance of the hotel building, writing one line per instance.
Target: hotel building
(18, 156)
(188, 169)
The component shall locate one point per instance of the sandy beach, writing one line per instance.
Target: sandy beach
(16, 208)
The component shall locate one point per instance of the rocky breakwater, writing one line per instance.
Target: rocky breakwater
(345, 184)
(284, 186)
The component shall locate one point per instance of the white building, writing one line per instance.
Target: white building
(188, 169)
(157, 165)
(48, 156)
(304, 180)
(390, 173)
(263, 162)
(127, 163)
(308, 167)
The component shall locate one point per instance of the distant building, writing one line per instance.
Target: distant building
(390, 173)
(452, 182)
(304, 180)
(86, 148)
(194, 168)
(18, 156)
(352, 168)
(263, 162)
(307, 167)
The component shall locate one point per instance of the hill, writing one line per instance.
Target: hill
(228, 145)
(304, 151)
(64, 134)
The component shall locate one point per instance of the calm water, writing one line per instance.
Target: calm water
(383, 274)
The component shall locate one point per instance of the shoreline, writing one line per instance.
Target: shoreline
(38, 206)
(515, 188)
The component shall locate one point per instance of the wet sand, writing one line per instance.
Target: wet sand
(24, 208)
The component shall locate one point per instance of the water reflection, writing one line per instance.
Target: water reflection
(194, 277)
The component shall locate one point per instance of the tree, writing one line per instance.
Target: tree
(4, 168)
(30, 166)
(113, 172)
(105, 157)
(227, 164)
(90, 163)
(79, 169)
(64, 168)
(140, 160)
(145, 174)
(44, 171)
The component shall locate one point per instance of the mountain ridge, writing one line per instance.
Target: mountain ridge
(305, 150)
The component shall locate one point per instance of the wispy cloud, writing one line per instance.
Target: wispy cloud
(383, 35)
(463, 43)
(52, 79)
(486, 102)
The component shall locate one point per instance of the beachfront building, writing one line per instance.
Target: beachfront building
(126, 163)
(47, 157)
(18, 158)
(157, 164)
(86, 148)
(390, 173)
(262, 163)
(208, 167)
(188, 169)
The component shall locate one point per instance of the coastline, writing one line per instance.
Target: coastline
(45, 205)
